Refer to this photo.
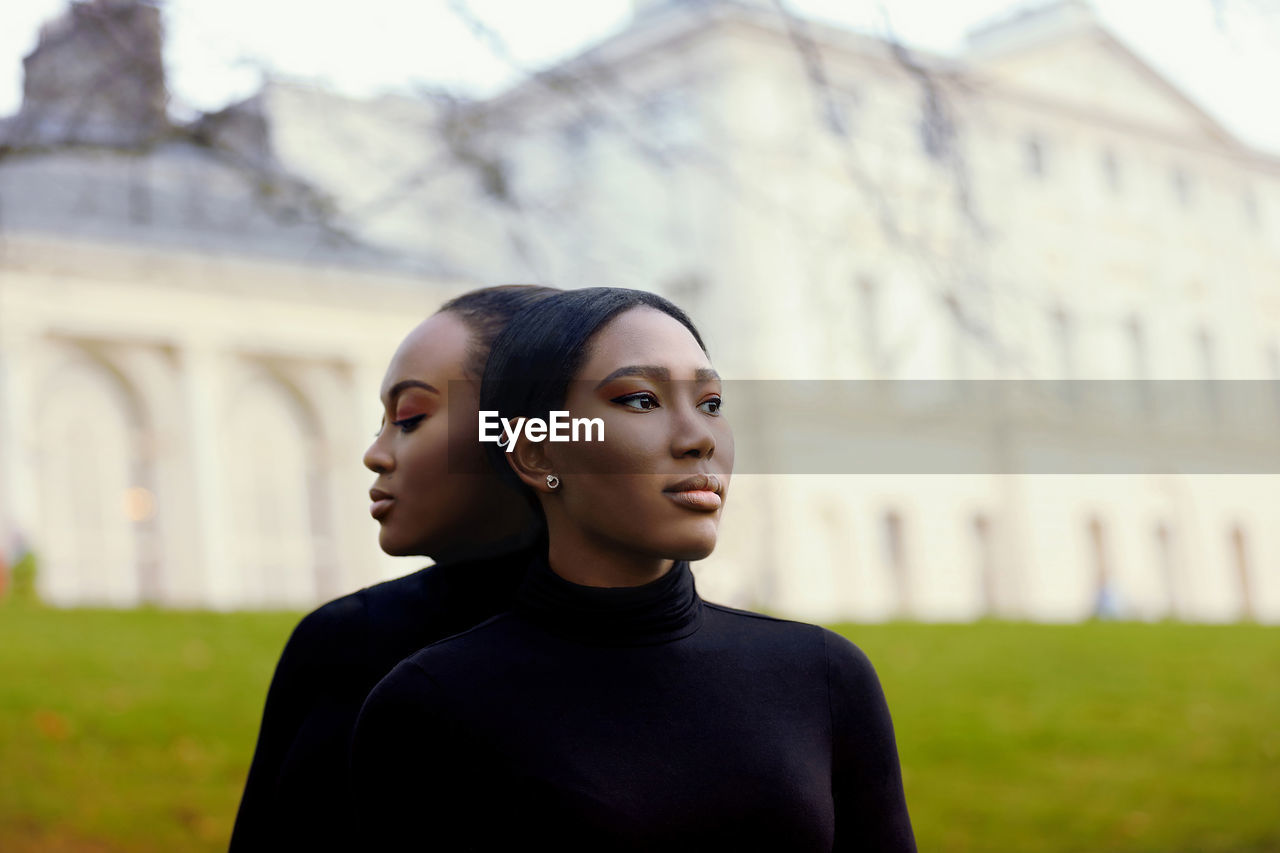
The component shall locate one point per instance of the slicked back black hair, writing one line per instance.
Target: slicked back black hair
(533, 360)
(486, 312)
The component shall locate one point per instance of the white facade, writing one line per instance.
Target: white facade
(1058, 212)
(1045, 207)
(186, 428)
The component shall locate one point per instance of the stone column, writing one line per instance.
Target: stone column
(204, 380)
(18, 351)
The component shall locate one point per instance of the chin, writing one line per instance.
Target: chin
(393, 548)
(695, 554)
(393, 551)
(691, 548)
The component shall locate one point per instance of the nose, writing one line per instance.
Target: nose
(377, 459)
(693, 434)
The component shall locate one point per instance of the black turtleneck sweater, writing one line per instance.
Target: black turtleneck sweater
(636, 718)
(297, 795)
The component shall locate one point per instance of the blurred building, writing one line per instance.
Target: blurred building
(190, 353)
(827, 206)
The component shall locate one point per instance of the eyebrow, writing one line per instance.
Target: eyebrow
(658, 374)
(405, 384)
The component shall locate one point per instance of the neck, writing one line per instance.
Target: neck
(504, 543)
(586, 564)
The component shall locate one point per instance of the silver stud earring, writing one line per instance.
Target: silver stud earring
(552, 481)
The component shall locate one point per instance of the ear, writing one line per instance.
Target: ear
(531, 463)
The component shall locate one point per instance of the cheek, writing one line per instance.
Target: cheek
(424, 459)
(724, 447)
(627, 449)
(621, 506)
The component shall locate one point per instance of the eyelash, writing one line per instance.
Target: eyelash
(406, 424)
(645, 395)
(641, 395)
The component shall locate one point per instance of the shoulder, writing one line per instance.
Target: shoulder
(401, 728)
(487, 639)
(759, 619)
(408, 681)
(407, 699)
(836, 648)
(787, 632)
(407, 590)
(441, 599)
(854, 691)
(848, 665)
(842, 652)
(330, 627)
(408, 747)
(844, 660)
(339, 629)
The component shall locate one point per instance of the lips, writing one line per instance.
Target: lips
(697, 483)
(381, 503)
(701, 492)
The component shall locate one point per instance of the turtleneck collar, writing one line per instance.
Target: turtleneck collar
(658, 612)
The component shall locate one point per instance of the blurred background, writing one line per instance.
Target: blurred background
(217, 221)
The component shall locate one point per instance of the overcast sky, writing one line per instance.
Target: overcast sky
(1225, 54)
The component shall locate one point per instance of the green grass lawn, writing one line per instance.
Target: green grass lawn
(1095, 737)
(133, 730)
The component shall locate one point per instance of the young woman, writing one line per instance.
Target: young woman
(612, 708)
(478, 530)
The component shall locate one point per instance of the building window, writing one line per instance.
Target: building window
(1106, 602)
(1111, 170)
(1033, 150)
(1251, 211)
(1207, 355)
(1137, 335)
(986, 564)
(1182, 186)
(1063, 332)
(1240, 559)
(685, 289)
(1273, 369)
(960, 325)
(895, 556)
(1138, 347)
(869, 322)
(1166, 564)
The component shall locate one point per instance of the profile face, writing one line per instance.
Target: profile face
(422, 507)
(657, 482)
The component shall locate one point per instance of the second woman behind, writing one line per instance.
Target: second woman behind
(475, 527)
(612, 708)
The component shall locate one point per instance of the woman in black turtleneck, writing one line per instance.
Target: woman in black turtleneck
(476, 527)
(612, 708)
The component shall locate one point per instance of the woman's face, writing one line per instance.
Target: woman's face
(423, 507)
(654, 389)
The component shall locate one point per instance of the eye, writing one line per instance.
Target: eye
(711, 406)
(642, 400)
(408, 424)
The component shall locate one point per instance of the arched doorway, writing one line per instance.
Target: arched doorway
(90, 500)
(272, 447)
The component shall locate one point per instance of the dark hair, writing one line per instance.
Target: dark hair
(533, 360)
(486, 312)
